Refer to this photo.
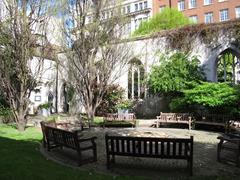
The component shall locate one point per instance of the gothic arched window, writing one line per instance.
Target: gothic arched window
(228, 67)
(136, 89)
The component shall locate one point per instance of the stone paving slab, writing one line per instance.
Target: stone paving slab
(205, 153)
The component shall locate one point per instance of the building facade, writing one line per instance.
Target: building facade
(202, 11)
(135, 10)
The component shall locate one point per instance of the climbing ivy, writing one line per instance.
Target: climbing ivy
(183, 38)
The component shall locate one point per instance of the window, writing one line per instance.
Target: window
(37, 98)
(208, 17)
(123, 10)
(228, 67)
(145, 4)
(208, 2)
(136, 7)
(140, 6)
(181, 5)
(136, 75)
(194, 19)
(237, 10)
(128, 9)
(224, 15)
(192, 3)
(161, 8)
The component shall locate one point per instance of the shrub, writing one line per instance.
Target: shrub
(45, 106)
(5, 114)
(125, 104)
(175, 73)
(111, 98)
(210, 97)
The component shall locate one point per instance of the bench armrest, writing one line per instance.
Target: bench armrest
(87, 139)
(230, 138)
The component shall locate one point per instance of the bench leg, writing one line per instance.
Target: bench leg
(79, 158)
(108, 161)
(48, 146)
(113, 159)
(219, 148)
(95, 153)
(190, 167)
(237, 158)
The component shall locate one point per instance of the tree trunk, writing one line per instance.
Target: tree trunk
(21, 120)
(91, 115)
(21, 126)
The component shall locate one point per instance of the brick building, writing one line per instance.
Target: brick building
(202, 11)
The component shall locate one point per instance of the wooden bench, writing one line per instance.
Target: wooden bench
(213, 119)
(55, 137)
(114, 117)
(183, 118)
(164, 148)
(229, 143)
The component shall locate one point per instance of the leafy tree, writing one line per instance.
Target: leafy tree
(96, 58)
(169, 18)
(175, 73)
(214, 97)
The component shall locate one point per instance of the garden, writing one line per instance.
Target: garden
(85, 115)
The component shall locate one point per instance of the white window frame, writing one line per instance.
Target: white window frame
(192, 4)
(145, 4)
(237, 11)
(207, 2)
(140, 6)
(181, 5)
(128, 9)
(161, 8)
(194, 18)
(223, 15)
(136, 7)
(206, 17)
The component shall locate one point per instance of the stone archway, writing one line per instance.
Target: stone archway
(228, 66)
(136, 73)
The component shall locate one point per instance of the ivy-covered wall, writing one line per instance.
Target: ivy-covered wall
(206, 41)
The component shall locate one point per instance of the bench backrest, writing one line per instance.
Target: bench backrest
(177, 148)
(115, 116)
(62, 137)
(221, 118)
(175, 116)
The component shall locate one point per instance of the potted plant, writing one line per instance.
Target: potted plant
(124, 106)
(45, 109)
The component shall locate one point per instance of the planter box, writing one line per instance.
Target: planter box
(45, 112)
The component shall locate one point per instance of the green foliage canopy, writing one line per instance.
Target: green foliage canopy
(169, 18)
(175, 72)
(211, 96)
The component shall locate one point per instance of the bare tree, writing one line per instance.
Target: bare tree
(22, 36)
(98, 53)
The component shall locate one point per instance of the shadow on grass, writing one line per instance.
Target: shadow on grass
(21, 159)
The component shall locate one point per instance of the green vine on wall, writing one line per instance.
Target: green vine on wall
(183, 38)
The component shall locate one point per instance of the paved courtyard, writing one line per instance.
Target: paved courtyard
(205, 163)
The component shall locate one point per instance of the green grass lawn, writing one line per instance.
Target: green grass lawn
(20, 159)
